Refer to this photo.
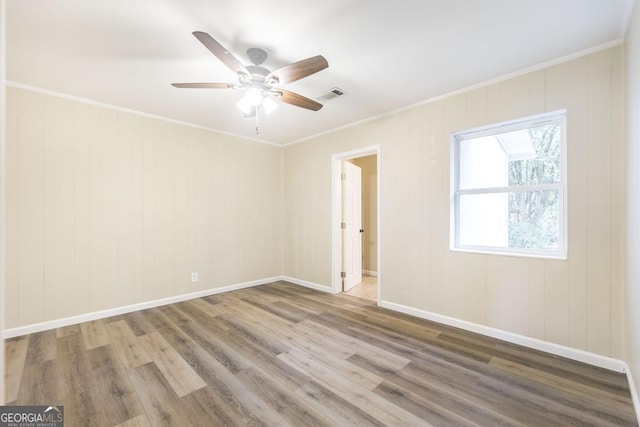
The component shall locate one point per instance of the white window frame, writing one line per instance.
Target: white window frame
(559, 116)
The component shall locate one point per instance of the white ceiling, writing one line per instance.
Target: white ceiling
(384, 54)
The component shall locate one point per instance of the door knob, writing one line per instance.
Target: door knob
(362, 230)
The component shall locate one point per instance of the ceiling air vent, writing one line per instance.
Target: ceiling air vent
(331, 94)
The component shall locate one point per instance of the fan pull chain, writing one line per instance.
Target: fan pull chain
(257, 129)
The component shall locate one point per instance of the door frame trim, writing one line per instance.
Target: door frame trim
(336, 213)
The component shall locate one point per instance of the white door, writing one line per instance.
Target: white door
(352, 230)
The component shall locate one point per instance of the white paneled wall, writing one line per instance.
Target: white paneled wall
(577, 302)
(632, 295)
(107, 209)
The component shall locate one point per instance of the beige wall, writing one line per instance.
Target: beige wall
(633, 196)
(578, 302)
(107, 209)
(369, 167)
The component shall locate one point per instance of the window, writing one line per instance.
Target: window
(508, 187)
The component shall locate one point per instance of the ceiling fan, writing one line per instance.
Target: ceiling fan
(263, 87)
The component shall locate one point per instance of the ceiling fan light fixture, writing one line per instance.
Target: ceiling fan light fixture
(244, 105)
(253, 96)
(269, 104)
(251, 99)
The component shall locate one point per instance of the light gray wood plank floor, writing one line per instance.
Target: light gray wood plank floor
(279, 355)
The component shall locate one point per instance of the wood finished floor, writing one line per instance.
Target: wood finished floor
(282, 355)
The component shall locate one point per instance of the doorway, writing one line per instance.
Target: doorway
(356, 226)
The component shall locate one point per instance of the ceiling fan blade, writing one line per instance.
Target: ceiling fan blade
(221, 53)
(298, 100)
(298, 70)
(204, 85)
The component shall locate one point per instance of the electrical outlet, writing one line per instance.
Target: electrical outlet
(194, 277)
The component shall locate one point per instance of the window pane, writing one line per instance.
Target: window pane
(534, 220)
(483, 163)
(484, 219)
(529, 156)
(540, 164)
(522, 220)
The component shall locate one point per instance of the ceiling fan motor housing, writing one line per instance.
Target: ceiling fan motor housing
(256, 56)
(257, 71)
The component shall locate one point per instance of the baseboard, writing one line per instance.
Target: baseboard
(52, 324)
(370, 273)
(306, 284)
(534, 343)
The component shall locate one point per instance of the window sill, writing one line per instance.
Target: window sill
(556, 257)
